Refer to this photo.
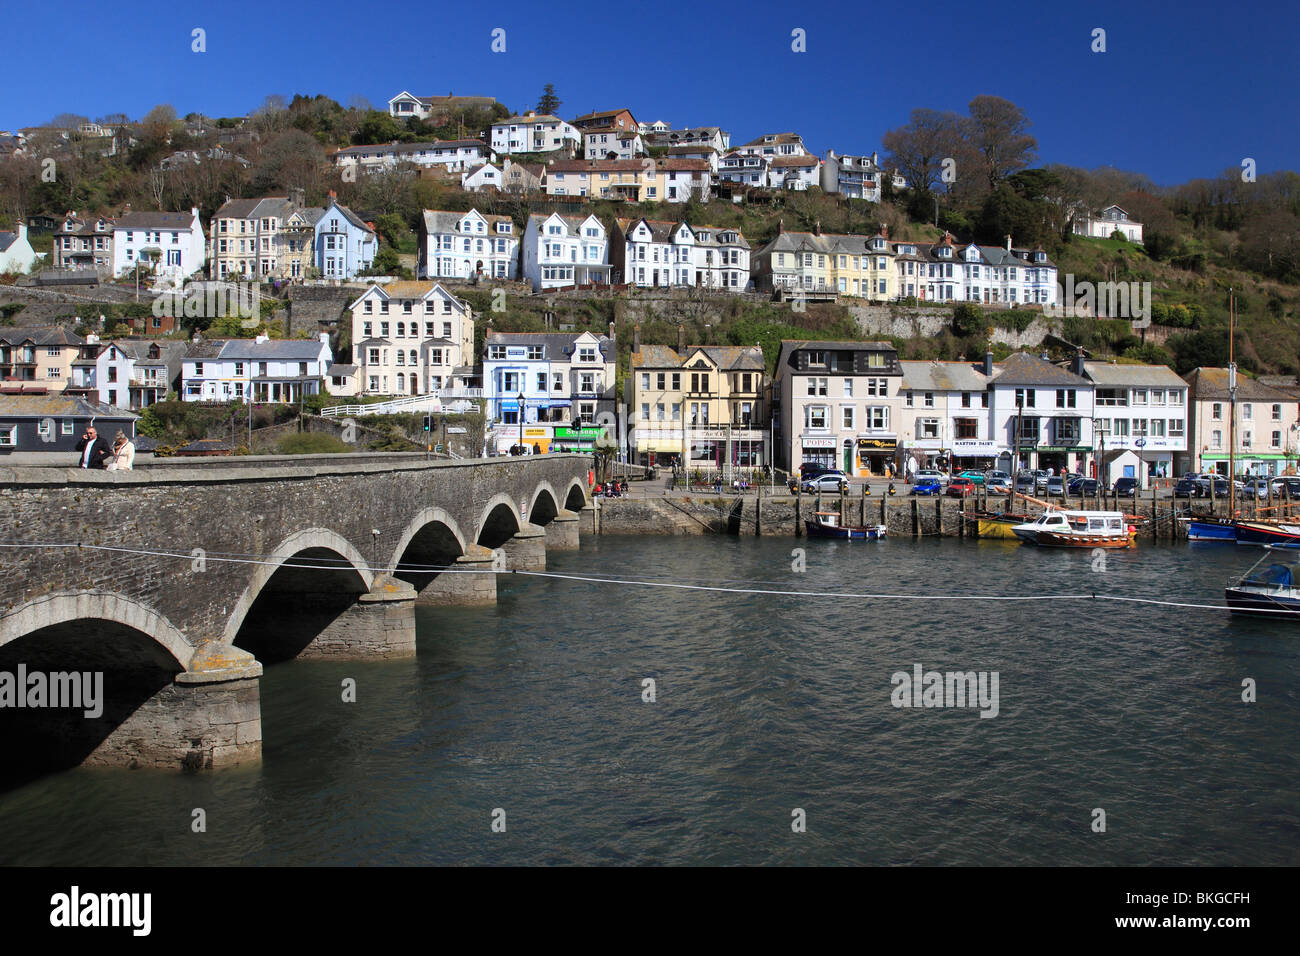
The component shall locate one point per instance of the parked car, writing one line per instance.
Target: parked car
(1025, 482)
(991, 475)
(998, 486)
(930, 474)
(1287, 485)
(1040, 479)
(927, 486)
(811, 469)
(975, 477)
(829, 481)
(960, 487)
(1082, 486)
(1056, 485)
(1125, 487)
(1258, 487)
(1186, 487)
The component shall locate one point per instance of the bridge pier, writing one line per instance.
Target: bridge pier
(449, 589)
(209, 716)
(526, 550)
(589, 519)
(380, 624)
(562, 532)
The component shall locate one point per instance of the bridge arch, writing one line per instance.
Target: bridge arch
(66, 607)
(545, 504)
(499, 521)
(312, 546)
(432, 538)
(575, 499)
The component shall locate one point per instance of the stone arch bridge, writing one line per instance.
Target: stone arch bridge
(178, 580)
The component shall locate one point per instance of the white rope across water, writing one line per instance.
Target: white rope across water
(236, 558)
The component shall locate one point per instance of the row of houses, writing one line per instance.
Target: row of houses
(274, 237)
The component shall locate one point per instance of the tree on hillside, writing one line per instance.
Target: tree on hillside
(918, 148)
(378, 127)
(67, 121)
(159, 124)
(549, 103)
(290, 159)
(997, 131)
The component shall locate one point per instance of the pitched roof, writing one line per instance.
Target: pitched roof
(40, 335)
(1141, 376)
(442, 221)
(726, 357)
(1022, 368)
(292, 349)
(943, 377)
(399, 148)
(1212, 383)
(36, 406)
(555, 341)
(154, 220)
(772, 139)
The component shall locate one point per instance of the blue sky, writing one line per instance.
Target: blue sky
(1183, 90)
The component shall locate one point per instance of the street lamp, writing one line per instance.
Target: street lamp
(521, 422)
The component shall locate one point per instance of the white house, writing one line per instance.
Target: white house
(456, 155)
(566, 380)
(565, 250)
(610, 142)
(16, 253)
(171, 243)
(712, 136)
(411, 338)
(345, 246)
(135, 373)
(944, 415)
(1142, 416)
(657, 254)
(1048, 407)
(279, 370)
(947, 271)
(462, 245)
(856, 177)
(1107, 221)
(793, 172)
(744, 168)
(772, 145)
(534, 133)
(482, 177)
(406, 105)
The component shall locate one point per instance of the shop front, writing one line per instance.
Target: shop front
(568, 438)
(818, 451)
(1259, 464)
(978, 454)
(876, 455)
(657, 446)
(1058, 458)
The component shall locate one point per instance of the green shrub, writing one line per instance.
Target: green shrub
(312, 443)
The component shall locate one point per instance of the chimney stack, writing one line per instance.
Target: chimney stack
(817, 227)
(1008, 243)
(611, 331)
(636, 337)
(988, 363)
(1077, 365)
(681, 338)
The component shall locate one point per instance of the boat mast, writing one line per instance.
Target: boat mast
(1232, 406)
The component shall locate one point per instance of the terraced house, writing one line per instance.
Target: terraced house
(345, 246)
(948, 271)
(659, 254)
(465, 245)
(411, 338)
(43, 355)
(268, 238)
(84, 244)
(704, 406)
(170, 244)
(828, 264)
(1265, 426)
(836, 404)
(534, 133)
(456, 155)
(564, 251)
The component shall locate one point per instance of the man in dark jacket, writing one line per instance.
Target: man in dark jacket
(94, 450)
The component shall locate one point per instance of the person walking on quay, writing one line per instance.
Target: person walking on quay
(94, 450)
(537, 448)
(123, 456)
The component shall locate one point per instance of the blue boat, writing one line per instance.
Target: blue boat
(1269, 588)
(1211, 529)
(826, 524)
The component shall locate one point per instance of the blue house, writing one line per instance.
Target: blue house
(345, 246)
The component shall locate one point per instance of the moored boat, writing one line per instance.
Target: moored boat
(997, 524)
(1078, 529)
(1268, 532)
(1211, 529)
(826, 524)
(1269, 588)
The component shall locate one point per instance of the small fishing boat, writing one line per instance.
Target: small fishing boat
(1270, 587)
(1210, 529)
(826, 524)
(1267, 532)
(1078, 529)
(997, 524)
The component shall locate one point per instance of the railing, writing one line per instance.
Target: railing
(380, 408)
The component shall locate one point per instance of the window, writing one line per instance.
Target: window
(383, 330)
(1277, 413)
(966, 428)
(878, 417)
(927, 428)
(45, 428)
(1276, 441)
(878, 386)
(65, 427)
(645, 411)
(1025, 398)
(1247, 412)
(1065, 398)
(908, 400)
(817, 359)
(198, 368)
(660, 379)
(645, 380)
(965, 399)
(848, 387)
(816, 386)
(558, 384)
(239, 371)
(677, 381)
(8, 436)
(929, 399)
(1175, 428)
(847, 411)
(815, 417)
(1216, 411)
(496, 351)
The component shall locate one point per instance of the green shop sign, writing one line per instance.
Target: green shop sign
(579, 434)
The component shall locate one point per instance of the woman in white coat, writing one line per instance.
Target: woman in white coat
(123, 454)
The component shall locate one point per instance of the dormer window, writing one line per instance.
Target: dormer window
(945, 253)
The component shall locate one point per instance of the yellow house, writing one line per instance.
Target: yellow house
(41, 355)
(817, 262)
(703, 406)
(636, 180)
